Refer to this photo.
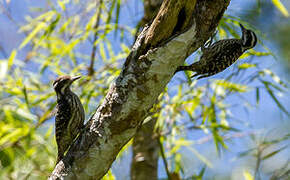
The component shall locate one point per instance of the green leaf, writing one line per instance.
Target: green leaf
(231, 30)
(117, 15)
(102, 52)
(65, 25)
(91, 23)
(247, 175)
(257, 95)
(178, 164)
(281, 7)
(111, 11)
(14, 135)
(246, 153)
(178, 144)
(52, 25)
(26, 114)
(109, 176)
(256, 53)
(49, 132)
(232, 86)
(70, 46)
(62, 4)
(11, 58)
(246, 66)
(201, 157)
(8, 114)
(39, 27)
(47, 113)
(273, 153)
(274, 98)
(274, 77)
(201, 173)
(125, 48)
(222, 33)
(24, 90)
(45, 16)
(7, 156)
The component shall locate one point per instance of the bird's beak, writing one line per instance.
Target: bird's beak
(75, 78)
(242, 27)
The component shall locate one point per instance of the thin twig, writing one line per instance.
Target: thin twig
(164, 159)
(260, 150)
(91, 70)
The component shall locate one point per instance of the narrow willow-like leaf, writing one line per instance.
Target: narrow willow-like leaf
(111, 11)
(117, 16)
(14, 135)
(38, 28)
(247, 175)
(201, 157)
(267, 156)
(246, 66)
(280, 7)
(274, 98)
(257, 95)
(26, 97)
(11, 58)
(232, 86)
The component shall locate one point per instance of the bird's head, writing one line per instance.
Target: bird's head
(249, 38)
(62, 84)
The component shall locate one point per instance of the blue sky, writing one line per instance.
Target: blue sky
(265, 117)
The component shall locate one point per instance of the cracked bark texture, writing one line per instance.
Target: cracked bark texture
(179, 29)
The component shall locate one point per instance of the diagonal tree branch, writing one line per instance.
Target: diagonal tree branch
(178, 30)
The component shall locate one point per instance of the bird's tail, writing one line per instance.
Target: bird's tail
(192, 67)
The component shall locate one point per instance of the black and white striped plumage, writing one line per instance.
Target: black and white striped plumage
(221, 54)
(70, 114)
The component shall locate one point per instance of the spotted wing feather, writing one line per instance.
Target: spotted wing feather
(212, 63)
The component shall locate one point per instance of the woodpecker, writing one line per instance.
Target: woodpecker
(220, 55)
(70, 114)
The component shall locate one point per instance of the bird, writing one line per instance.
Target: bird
(220, 55)
(70, 114)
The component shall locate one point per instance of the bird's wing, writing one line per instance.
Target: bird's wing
(220, 49)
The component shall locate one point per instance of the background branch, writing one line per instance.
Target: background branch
(91, 70)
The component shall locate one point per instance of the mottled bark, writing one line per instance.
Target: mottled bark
(178, 30)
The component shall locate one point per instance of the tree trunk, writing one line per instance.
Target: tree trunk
(145, 153)
(145, 145)
(178, 30)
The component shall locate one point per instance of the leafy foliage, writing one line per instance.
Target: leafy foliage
(74, 37)
(27, 98)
